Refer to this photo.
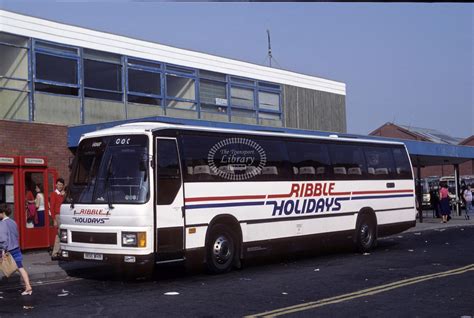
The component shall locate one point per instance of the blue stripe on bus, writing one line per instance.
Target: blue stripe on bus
(222, 205)
(383, 196)
(256, 203)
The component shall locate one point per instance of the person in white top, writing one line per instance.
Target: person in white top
(39, 202)
(467, 194)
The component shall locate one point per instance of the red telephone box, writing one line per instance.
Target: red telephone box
(20, 177)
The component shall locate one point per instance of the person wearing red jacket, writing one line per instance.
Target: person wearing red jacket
(56, 199)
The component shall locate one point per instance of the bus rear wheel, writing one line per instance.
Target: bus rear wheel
(366, 234)
(221, 249)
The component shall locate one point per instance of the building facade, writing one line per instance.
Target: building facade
(56, 73)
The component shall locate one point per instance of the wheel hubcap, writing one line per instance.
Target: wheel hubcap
(222, 250)
(365, 234)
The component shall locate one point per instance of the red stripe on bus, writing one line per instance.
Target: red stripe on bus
(341, 193)
(383, 191)
(276, 196)
(237, 197)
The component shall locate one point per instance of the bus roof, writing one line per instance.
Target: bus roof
(143, 127)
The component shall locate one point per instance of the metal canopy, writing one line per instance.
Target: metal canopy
(422, 153)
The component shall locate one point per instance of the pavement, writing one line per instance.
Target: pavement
(41, 268)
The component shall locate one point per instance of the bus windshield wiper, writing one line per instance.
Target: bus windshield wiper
(107, 182)
(69, 196)
(143, 166)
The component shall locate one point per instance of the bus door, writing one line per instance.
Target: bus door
(34, 222)
(169, 201)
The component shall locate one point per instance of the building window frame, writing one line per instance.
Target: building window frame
(224, 81)
(37, 49)
(247, 84)
(127, 63)
(257, 87)
(28, 79)
(133, 63)
(276, 91)
(183, 72)
(120, 63)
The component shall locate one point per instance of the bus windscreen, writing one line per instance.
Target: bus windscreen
(111, 169)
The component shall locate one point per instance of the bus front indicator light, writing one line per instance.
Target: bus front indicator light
(141, 239)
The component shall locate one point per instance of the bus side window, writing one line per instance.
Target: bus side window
(348, 162)
(380, 164)
(403, 168)
(309, 159)
(277, 167)
(168, 171)
(196, 151)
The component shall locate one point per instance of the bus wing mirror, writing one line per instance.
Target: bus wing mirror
(71, 161)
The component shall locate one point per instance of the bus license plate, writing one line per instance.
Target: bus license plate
(94, 256)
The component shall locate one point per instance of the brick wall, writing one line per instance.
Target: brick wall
(468, 166)
(31, 139)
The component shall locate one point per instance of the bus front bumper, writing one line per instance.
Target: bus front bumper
(66, 255)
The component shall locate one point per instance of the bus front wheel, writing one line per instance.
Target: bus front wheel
(366, 234)
(221, 249)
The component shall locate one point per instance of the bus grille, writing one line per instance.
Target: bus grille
(94, 238)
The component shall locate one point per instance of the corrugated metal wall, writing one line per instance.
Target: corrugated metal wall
(316, 110)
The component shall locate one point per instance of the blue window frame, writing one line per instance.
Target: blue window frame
(181, 88)
(242, 97)
(102, 75)
(269, 101)
(15, 72)
(55, 68)
(213, 96)
(251, 98)
(144, 82)
(10, 69)
(94, 74)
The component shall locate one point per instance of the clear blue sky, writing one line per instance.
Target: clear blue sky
(411, 64)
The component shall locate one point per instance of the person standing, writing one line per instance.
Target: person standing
(9, 243)
(435, 202)
(467, 195)
(31, 215)
(57, 198)
(445, 209)
(39, 203)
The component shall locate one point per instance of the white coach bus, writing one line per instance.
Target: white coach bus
(146, 193)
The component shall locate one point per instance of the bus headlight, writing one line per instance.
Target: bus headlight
(63, 236)
(134, 239)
